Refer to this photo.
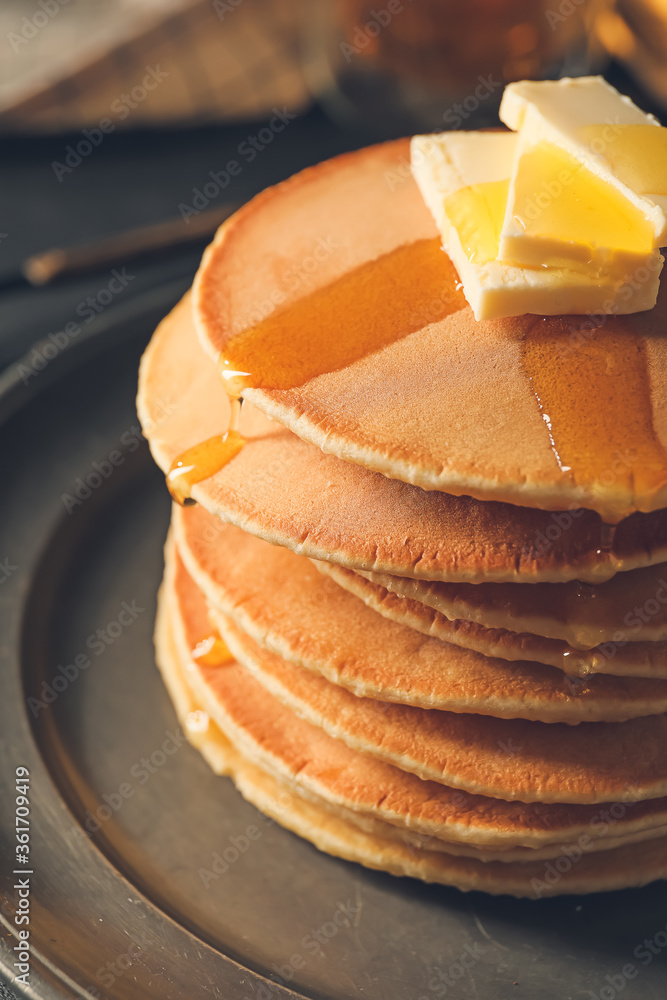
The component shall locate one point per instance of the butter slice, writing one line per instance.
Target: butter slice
(561, 214)
(604, 131)
(463, 178)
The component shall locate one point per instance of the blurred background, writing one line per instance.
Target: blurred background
(118, 114)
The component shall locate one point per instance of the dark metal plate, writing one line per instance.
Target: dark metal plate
(139, 907)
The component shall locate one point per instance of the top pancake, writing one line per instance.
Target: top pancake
(288, 492)
(496, 410)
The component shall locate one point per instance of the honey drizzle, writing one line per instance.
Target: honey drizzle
(368, 308)
(547, 420)
(595, 400)
(197, 721)
(205, 459)
(607, 536)
(212, 652)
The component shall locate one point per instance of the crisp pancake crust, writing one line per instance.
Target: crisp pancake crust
(181, 618)
(290, 493)
(377, 844)
(281, 600)
(620, 658)
(631, 607)
(451, 406)
(621, 868)
(513, 758)
(421, 742)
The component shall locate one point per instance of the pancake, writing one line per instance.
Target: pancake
(416, 740)
(209, 738)
(631, 607)
(290, 493)
(343, 835)
(622, 868)
(460, 816)
(282, 602)
(547, 412)
(390, 436)
(286, 802)
(512, 758)
(621, 658)
(431, 744)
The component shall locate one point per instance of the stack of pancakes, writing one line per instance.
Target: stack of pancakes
(421, 617)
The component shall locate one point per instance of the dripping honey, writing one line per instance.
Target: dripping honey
(206, 458)
(361, 312)
(211, 651)
(200, 462)
(595, 400)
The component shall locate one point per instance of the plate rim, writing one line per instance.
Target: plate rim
(17, 739)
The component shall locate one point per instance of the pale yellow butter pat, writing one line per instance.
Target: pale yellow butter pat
(560, 214)
(605, 133)
(464, 179)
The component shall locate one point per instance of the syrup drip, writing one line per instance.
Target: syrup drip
(211, 652)
(361, 312)
(197, 721)
(595, 399)
(607, 536)
(547, 420)
(204, 459)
